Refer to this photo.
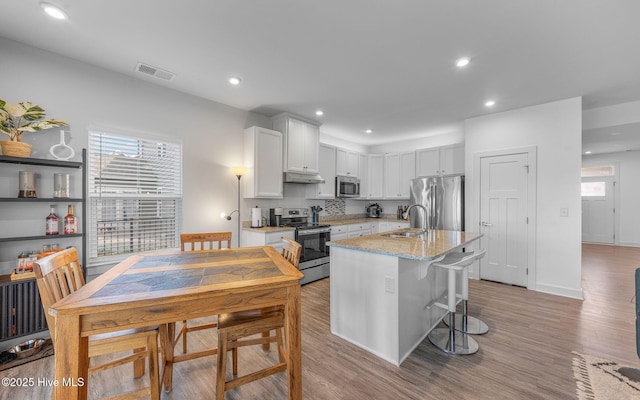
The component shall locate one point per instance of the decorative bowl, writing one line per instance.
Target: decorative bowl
(28, 348)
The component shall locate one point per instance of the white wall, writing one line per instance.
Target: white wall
(627, 211)
(619, 114)
(334, 141)
(89, 96)
(555, 130)
(454, 136)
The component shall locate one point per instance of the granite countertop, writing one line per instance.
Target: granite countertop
(246, 225)
(438, 243)
(361, 220)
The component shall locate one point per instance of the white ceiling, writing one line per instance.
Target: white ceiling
(387, 65)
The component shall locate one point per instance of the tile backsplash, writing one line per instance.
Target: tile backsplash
(335, 207)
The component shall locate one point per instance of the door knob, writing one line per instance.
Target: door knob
(486, 224)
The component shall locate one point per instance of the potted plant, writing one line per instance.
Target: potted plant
(15, 119)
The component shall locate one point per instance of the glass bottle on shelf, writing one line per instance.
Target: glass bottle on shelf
(52, 222)
(70, 222)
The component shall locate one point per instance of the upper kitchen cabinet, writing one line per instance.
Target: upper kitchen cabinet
(371, 169)
(347, 163)
(440, 160)
(301, 143)
(327, 165)
(399, 169)
(263, 159)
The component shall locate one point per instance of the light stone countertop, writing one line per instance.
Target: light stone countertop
(437, 244)
(361, 221)
(246, 225)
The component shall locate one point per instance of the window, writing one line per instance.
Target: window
(135, 195)
(606, 170)
(594, 189)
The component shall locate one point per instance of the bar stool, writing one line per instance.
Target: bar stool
(464, 322)
(450, 340)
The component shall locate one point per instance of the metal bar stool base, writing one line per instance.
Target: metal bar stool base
(474, 326)
(463, 343)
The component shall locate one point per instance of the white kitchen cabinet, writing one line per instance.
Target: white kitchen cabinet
(327, 169)
(360, 229)
(363, 166)
(258, 238)
(301, 143)
(346, 162)
(339, 232)
(440, 160)
(399, 169)
(263, 159)
(371, 183)
(385, 226)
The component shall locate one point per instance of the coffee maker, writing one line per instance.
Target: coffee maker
(275, 216)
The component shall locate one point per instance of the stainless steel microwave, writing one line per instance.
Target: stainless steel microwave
(347, 186)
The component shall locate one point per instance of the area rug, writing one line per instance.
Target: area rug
(600, 379)
(46, 351)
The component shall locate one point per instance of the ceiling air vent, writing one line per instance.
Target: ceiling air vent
(155, 72)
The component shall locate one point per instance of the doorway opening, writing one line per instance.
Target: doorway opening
(598, 189)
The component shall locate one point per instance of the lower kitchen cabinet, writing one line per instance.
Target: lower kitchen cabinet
(339, 232)
(385, 226)
(273, 239)
(363, 229)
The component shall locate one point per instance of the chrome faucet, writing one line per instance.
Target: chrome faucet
(424, 225)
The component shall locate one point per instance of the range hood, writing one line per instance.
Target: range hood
(296, 177)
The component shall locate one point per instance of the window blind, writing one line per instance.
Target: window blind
(135, 194)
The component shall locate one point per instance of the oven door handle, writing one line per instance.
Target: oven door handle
(313, 231)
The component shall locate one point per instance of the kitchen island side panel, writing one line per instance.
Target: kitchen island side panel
(364, 300)
(384, 304)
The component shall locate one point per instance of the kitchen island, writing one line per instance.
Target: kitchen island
(384, 290)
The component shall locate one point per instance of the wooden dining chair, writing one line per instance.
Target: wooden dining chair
(204, 241)
(196, 242)
(235, 328)
(59, 275)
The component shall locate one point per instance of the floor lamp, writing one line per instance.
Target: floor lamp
(238, 172)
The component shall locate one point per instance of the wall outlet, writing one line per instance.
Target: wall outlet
(389, 284)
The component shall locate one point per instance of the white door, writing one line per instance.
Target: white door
(598, 209)
(503, 217)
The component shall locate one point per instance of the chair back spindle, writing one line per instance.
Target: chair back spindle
(291, 250)
(204, 241)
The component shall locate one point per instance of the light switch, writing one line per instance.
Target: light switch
(564, 212)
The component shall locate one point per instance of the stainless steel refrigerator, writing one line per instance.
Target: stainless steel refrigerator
(443, 197)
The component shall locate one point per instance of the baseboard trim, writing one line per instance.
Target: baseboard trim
(560, 291)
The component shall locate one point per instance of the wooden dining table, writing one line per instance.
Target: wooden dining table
(159, 289)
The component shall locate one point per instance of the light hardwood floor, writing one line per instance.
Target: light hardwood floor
(527, 353)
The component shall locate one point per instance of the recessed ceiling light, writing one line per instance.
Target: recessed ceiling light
(234, 80)
(53, 11)
(462, 62)
(319, 113)
(490, 103)
(369, 131)
(587, 152)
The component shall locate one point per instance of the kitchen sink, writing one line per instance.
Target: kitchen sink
(404, 234)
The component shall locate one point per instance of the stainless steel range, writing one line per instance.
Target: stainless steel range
(314, 261)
